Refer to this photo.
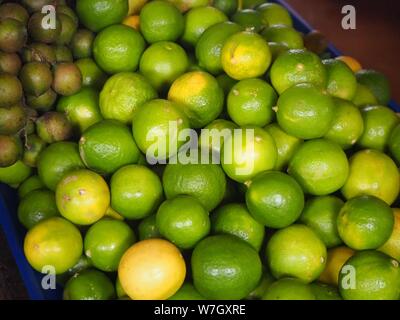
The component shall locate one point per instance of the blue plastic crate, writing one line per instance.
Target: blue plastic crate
(15, 232)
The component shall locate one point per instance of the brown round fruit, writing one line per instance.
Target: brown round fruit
(67, 79)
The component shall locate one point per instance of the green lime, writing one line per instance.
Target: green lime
(250, 4)
(119, 290)
(162, 63)
(106, 241)
(274, 14)
(53, 242)
(187, 292)
(377, 83)
(372, 173)
(347, 126)
(295, 67)
(364, 97)
(82, 197)
(266, 280)
(286, 35)
(156, 128)
(118, 49)
(148, 228)
(206, 182)
(36, 206)
(370, 275)
(394, 143)
(183, 221)
(225, 267)
(365, 222)
(123, 94)
(249, 19)
(228, 7)
(275, 199)
(31, 184)
(324, 291)
(392, 246)
(107, 146)
(185, 5)
(342, 82)
(245, 55)
(82, 44)
(198, 20)
(209, 46)
(250, 103)
(320, 166)
(277, 49)
(92, 75)
(199, 97)
(320, 214)
(161, 21)
(286, 145)
(136, 191)
(289, 289)
(98, 14)
(226, 83)
(214, 135)
(56, 160)
(89, 285)
(296, 251)
(15, 174)
(82, 108)
(305, 112)
(379, 122)
(235, 219)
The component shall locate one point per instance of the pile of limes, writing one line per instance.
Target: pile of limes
(302, 206)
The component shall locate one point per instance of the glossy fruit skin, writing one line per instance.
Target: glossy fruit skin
(249, 19)
(296, 251)
(147, 228)
(136, 192)
(36, 78)
(275, 199)
(67, 79)
(365, 222)
(289, 289)
(377, 83)
(53, 242)
(228, 7)
(106, 241)
(372, 173)
(274, 14)
(82, 44)
(284, 35)
(378, 283)
(92, 75)
(219, 130)
(342, 82)
(392, 246)
(187, 292)
(394, 143)
(236, 271)
(39, 33)
(15, 174)
(324, 291)
(364, 97)
(31, 184)
(42, 103)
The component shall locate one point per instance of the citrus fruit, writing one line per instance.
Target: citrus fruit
(379, 122)
(136, 191)
(199, 96)
(185, 5)
(135, 6)
(53, 242)
(213, 135)
(162, 63)
(277, 49)
(145, 259)
(13, 35)
(392, 246)
(249, 4)
(36, 206)
(297, 66)
(82, 197)
(123, 94)
(89, 285)
(14, 11)
(274, 14)
(296, 251)
(15, 174)
(250, 102)
(320, 214)
(248, 152)
(147, 228)
(31, 184)
(183, 221)
(342, 82)
(36, 78)
(12, 119)
(107, 146)
(157, 126)
(364, 97)
(118, 289)
(205, 182)
(275, 199)
(245, 55)
(266, 280)
(228, 7)
(11, 148)
(209, 46)
(106, 241)
(394, 143)
(92, 75)
(187, 292)
(286, 35)
(33, 147)
(249, 19)
(225, 267)
(118, 49)
(161, 21)
(235, 219)
(285, 144)
(352, 63)
(82, 44)
(320, 167)
(10, 63)
(305, 112)
(377, 277)
(198, 20)
(11, 90)
(324, 291)
(53, 127)
(347, 126)
(132, 21)
(67, 78)
(56, 160)
(42, 103)
(337, 257)
(377, 83)
(372, 173)
(365, 222)
(98, 14)
(289, 289)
